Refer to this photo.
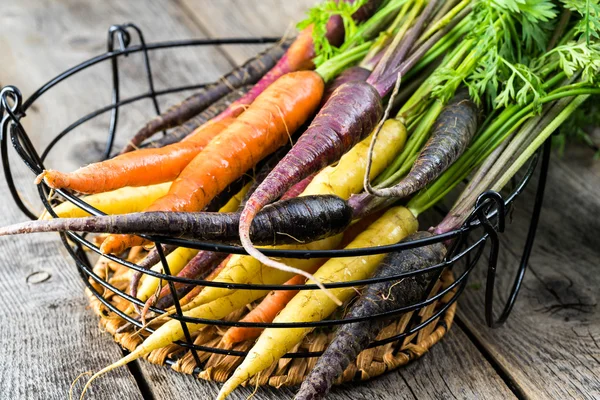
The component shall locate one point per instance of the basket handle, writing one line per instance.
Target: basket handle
(11, 111)
(492, 232)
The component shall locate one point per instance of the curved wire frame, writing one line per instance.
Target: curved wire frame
(468, 241)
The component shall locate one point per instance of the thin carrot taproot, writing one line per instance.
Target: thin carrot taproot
(248, 73)
(265, 126)
(140, 168)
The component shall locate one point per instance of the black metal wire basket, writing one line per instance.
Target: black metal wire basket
(469, 241)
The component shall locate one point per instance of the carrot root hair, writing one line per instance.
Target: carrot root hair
(122, 362)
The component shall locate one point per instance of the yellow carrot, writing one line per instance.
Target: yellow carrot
(346, 178)
(314, 305)
(121, 201)
(233, 203)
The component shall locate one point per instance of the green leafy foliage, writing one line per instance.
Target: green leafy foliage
(589, 10)
(574, 58)
(319, 15)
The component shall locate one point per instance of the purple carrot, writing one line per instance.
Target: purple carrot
(452, 133)
(298, 188)
(348, 75)
(284, 222)
(351, 339)
(249, 73)
(177, 134)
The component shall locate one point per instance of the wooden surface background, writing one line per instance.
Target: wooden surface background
(550, 347)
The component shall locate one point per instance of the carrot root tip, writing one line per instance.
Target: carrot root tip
(40, 177)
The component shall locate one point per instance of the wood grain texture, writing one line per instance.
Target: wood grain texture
(48, 336)
(228, 18)
(435, 376)
(550, 346)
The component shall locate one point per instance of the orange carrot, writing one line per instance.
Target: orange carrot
(266, 311)
(264, 127)
(139, 168)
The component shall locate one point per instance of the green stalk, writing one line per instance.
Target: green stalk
(538, 141)
(442, 46)
(444, 21)
(371, 28)
(332, 67)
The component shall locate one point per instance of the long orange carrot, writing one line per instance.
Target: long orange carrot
(266, 311)
(139, 168)
(264, 127)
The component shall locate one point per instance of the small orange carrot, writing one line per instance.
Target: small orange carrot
(264, 127)
(139, 168)
(266, 311)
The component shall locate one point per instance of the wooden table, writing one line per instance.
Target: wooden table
(550, 347)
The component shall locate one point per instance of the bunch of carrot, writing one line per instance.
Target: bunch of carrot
(477, 85)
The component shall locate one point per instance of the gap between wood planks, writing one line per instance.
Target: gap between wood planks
(502, 373)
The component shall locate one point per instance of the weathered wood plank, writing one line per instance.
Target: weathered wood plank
(227, 18)
(48, 336)
(550, 346)
(453, 368)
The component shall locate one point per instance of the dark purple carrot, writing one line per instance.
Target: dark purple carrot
(249, 73)
(350, 114)
(348, 75)
(184, 130)
(351, 339)
(285, 222)
(452, 133)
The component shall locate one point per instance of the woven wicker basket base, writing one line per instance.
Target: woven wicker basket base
(286, 372)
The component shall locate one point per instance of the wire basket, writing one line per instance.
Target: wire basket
(433, 314)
